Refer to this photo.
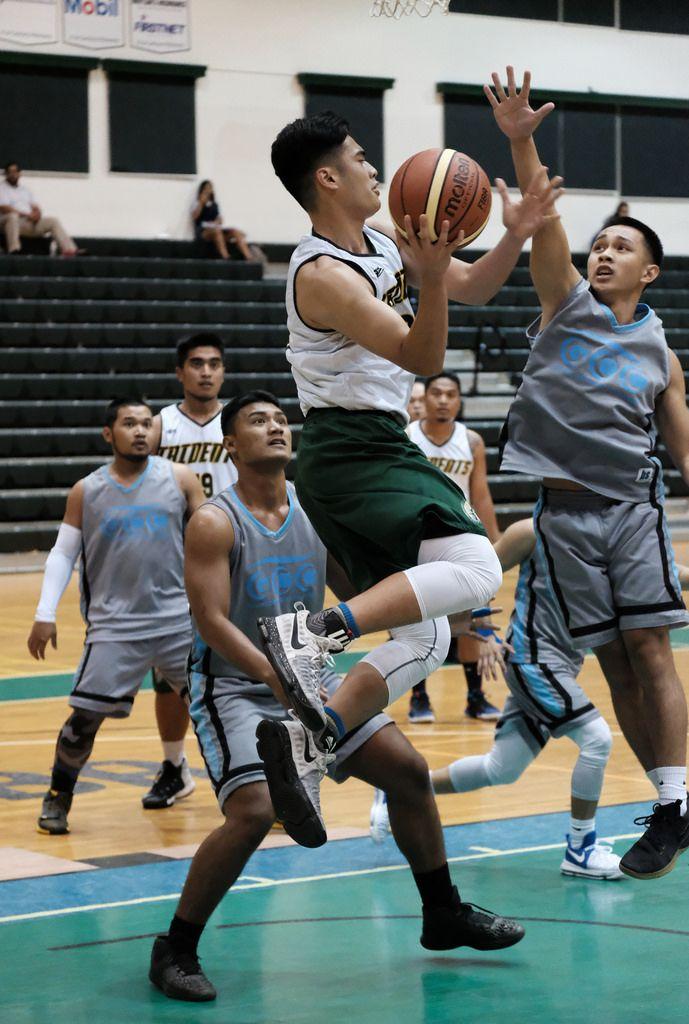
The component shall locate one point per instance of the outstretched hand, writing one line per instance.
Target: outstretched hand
(527, 215)
(511, 109)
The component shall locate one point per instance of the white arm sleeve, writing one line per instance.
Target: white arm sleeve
(58, 571)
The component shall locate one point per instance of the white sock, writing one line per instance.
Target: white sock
(671, 783)
(173, 751)
(579, 828)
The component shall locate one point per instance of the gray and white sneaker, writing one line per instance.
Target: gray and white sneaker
(298, 655)
(294, 766)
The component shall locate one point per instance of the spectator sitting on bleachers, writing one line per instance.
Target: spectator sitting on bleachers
(208, 226)
(21, 217)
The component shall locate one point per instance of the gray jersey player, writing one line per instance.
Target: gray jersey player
(252, 551)
(598, 383)
(126, 522)
(188, 433)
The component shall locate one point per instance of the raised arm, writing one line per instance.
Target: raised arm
(516, 544)
(479, 492)
(208, 542)
(552, 270)
(673, 417)
(332, 296)
(59, 566)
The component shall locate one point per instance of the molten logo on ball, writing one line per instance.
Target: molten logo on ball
(459, 186)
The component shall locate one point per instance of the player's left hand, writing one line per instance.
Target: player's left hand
(424, 259)
(41, 633)
(491, 658)
(527, 215)
(513, 113)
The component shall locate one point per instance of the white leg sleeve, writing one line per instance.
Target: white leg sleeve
(454, 574)
(58, 570)
(412, 654)
(594, 740)
(509, 758)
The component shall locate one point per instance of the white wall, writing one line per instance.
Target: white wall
(254, 49)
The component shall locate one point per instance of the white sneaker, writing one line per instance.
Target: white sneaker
(298, 656)
(380, 819)
(591, 860)
(294, 766)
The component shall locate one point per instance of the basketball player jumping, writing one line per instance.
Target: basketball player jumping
(188, 433)
(599, 381)
(126, 521)
(406, 536)
(251, 551)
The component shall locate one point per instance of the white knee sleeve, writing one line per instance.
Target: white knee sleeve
(508, 759)
(412, 654)
(594, 740)
(454, 574)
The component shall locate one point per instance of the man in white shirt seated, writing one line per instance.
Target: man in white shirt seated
(20, 216)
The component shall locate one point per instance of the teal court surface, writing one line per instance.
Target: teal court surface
(332, 934)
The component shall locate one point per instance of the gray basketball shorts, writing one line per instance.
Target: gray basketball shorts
(611, 564)
(548, 697)
(225, 713)
(111, 671)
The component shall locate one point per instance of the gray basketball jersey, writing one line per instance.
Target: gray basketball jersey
(269, 572)
(585, 410)
(330, 369)
(132, 564)
(537, 630)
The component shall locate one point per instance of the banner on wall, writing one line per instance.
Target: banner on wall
(160, 26)
(93, 24)
(28, 22)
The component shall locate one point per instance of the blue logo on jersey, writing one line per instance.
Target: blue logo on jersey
(607, 366)
(135, 521)
(284, 579)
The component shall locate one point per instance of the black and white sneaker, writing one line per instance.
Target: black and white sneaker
(298, 655)
(178, 975)
(53, 817)
(665, 838)
(464, 924)
(172, 783)
(294, 766)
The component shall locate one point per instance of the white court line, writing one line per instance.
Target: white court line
(126, 738)
(264, 883)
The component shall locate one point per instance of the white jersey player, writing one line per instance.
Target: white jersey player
(188, 433)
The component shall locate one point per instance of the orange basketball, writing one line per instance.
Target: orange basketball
(445, 185)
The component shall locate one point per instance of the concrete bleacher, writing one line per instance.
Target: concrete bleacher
(76, 332)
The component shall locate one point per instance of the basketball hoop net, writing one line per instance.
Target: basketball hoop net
(396, 8)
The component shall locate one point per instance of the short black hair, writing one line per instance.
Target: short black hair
(118, 403)
(239, 402)
(12, 163)
(300, 146)
(654, 244)
(185, 346)
(445, 375)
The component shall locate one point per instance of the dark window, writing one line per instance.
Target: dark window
(152, 123)
(670, 16)
(542, 10)
(655, 152)
(600, 13)
(361, 105)
(45, 117)
(588, 146)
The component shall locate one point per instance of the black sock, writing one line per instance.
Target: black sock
(62, 780)
(420, 689)
(472, 677)
(435, 887)
(184, 935)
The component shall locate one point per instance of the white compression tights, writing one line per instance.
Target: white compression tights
(511, 754)
(411, 655)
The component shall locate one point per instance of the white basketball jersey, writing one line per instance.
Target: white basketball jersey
(330, 369)
(198, 446)
(455, 458)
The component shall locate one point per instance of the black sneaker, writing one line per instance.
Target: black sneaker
(666, 836)
(178, 975)
(53, 817)
(464, 924)
(479, 707)
(171, 784)
(420, 709)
